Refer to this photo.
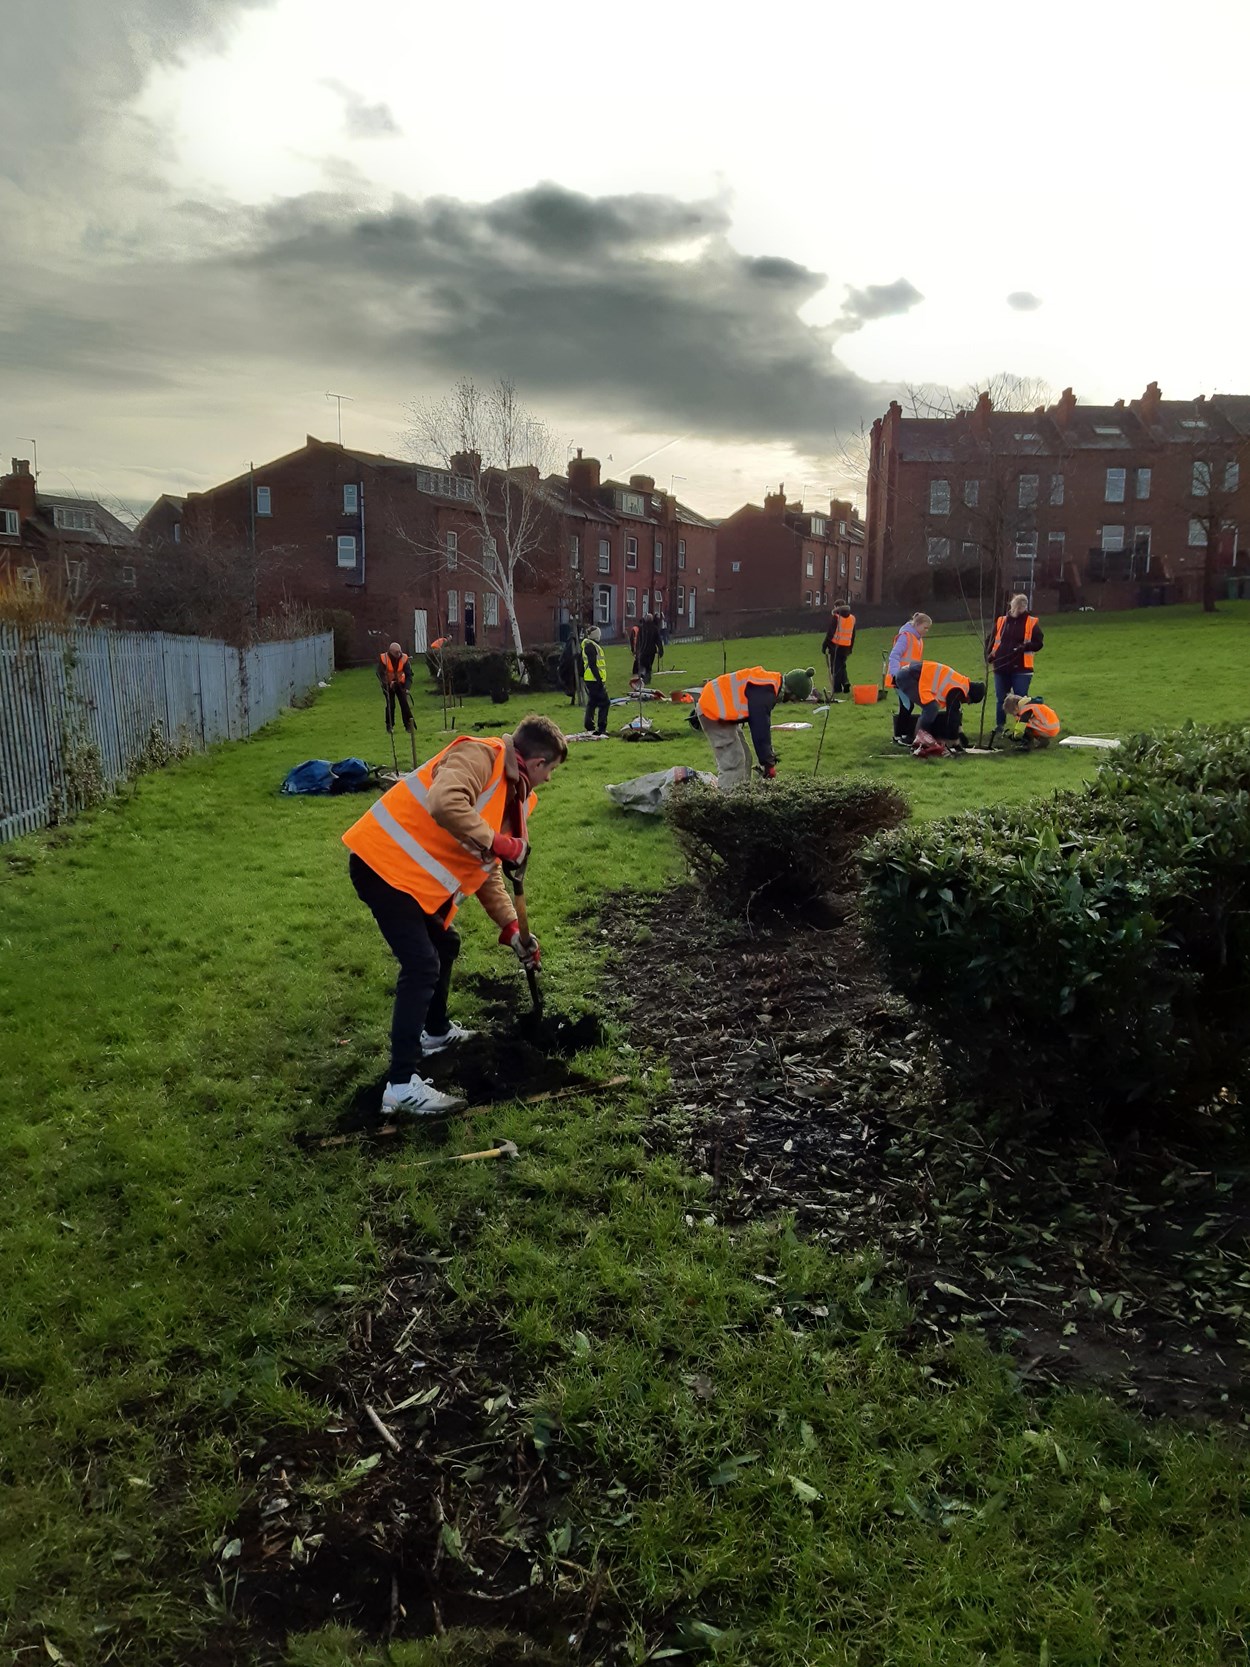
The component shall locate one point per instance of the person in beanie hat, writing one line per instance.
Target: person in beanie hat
(593, 681)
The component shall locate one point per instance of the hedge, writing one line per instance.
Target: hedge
(780, 844)
(493, 671)
(1090, 952)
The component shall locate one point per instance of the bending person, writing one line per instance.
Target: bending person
(728, 703)
(1041, 722)
(940, 693)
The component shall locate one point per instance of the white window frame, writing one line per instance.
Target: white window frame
(451, 542)
(129, 577)
(1108, 432)
(825, 568)
(631, 602)
(351, 498)
(631, 552)
(939, 550)
(1141, 484)
(1141, 535)
(681, 555)
(490, 557)
(681, 600)
(1056, 543)
(859, 564)
(490, 608)
(1197, 534)
(842, 565)
(818, 526)
(842, 529)
(1111, 538)
(453, 607)
(575, 553)
(735, 567)
(603, 605)
(73, 520)
(657, 556)
(939, 497)
(1056, 490)
(1116, 486)
(809, 571)
(345, 545)
(1026, 546)
(969, 550)
(605, 555)
(10, 524)
(1232, 475)
(632, 504)
(807, 598)
(264, 501)
(1200, 479)
(1026, 491)
(177, 532)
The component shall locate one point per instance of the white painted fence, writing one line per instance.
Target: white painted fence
(63, 693)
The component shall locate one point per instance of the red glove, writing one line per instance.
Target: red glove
(507, 848)
(770, 770)
(526, 950)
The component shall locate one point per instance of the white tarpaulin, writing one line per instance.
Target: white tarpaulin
(648, 793)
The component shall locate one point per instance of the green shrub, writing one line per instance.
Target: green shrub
(494, 671)
(340, 622)
(779, 844)
(1091, 951)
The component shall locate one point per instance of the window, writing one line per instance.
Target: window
(28, 578)
(1141, 485)
(842, 528)
(1026, 547)
(631, 503)
(1054, 546)
(939, 497)
(807, 598)
(262, 501)
(631, 602)
(972, 496)
(453, 606)
(1232, 475)
(1027, 495)
(575, 553)
(9, 526)
(810, 570)
(1056, 489)
(681, 555)
(681, 599)
(128, 576)
(603, 604)
(490, 605)
(657, 557)
(605, 555)
(490, 557)
(646, 601)
(1026, 434)
(939, 551)
(1108, 432)
(453, 550)
(859, 564)
(825, 564)
(73, 520)
(818, 526)
(968, 551)
(347, 550)
(1113, 538)
(1197, 535)
(1114, 490)
(735, 567)
(1192, 422)
(177, 532)
(842, 565)
(631, 553)
(1200, 481)
(351, 498)
(1141, 546)
(444, 485)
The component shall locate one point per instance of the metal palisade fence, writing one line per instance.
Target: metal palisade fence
(82, 709)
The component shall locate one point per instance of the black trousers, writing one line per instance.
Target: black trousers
(393, 694)
(841, 682)
(597, 701)
(426, 949)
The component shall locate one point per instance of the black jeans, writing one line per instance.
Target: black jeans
(426, 949)
(400, 694)
(597, 701)
(841, 682)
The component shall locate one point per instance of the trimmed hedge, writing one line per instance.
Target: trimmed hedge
(780, 844)
(493, 671)
(1091, 951)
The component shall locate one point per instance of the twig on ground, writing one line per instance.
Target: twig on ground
(381, 1428)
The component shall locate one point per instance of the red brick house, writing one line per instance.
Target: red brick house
(1078, 505)
(73, 545)
(786, 557)
(632, 550)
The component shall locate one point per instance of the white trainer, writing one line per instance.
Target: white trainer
(453, 1034)
(418, 1098)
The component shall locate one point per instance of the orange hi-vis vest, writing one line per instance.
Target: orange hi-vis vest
(937, 681)
(843, 630)
(406, 847)
(1041, 719)
(393, 671)
(1030, 624)
(913, 649)
(725, 698)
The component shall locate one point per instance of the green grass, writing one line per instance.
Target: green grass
(187, 978)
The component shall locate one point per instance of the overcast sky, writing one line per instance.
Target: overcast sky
(718, 245)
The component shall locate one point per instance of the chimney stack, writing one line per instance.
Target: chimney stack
(1065, 409)
(775, 502)
(584, 474)
(17, 490)
(1149, 404)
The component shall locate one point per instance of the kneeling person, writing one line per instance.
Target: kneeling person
(1041, 722)
(940, 693)
(435, 837)
(727, 704)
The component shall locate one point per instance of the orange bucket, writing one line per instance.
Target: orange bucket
(864, 694)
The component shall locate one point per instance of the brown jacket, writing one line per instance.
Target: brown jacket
(459, 781)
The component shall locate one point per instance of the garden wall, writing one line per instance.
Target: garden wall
(79, 707)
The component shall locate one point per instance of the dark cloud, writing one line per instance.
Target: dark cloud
(556, 222)
(877, 301)
(1023, 301)
(361, 119)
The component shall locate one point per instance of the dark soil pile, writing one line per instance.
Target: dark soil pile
(800, 1083)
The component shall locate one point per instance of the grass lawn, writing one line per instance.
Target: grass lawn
(187, 980)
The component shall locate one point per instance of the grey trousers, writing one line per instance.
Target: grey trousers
(730, 750)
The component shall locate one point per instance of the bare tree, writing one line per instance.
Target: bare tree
(487, 438)
(1212, 503)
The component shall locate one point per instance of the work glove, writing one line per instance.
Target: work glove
(770, 771)
(508, 849)
(526, 950)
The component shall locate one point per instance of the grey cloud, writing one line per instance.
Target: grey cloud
(878, 301)
(361, 119)
(598, 303)
(1023, 301)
